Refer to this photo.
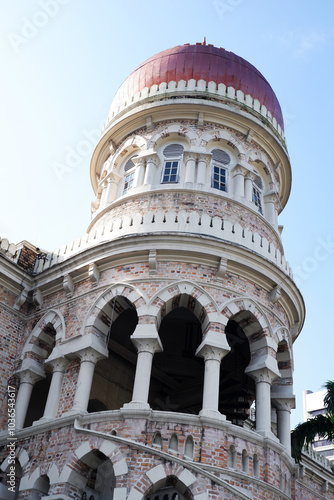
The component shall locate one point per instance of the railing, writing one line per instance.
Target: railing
(122, 99)
(314, 455)
(170, 222)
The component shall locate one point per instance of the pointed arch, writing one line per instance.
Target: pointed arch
(222, 138)
(171, 477)
(175, 130)
(101, 314)
(96, 464)
(183, 294)
(49, 329)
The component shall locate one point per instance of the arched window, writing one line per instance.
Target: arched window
(173, 443)
(244, 461)
(172, 158)
(257, 193)
(189, 448)
(129, 175)
(157, 440)
(232, 457)
(256, 465)
(220, 164)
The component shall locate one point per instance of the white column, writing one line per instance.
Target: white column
(270, 208)
(263, 378)
(249, 179)
(283, 409)
(89, 358)
(140, 172)
(104, 193)
(239, 181)
(203, 161)
(147, 342)
(112, 188)
(190, 162)
(152, 162)
(28, 378)
(59, 367)
(213, 348)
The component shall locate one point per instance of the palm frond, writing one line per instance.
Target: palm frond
(305, 433)
(329, 398)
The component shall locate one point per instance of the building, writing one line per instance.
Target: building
(133, 357)
(313, 405)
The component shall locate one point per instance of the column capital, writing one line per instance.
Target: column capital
(264, 369)
(270, 197)
(28, 376)
(250, 176)
(90, 355)
(214, 346)
(149, 156)
(204, 157)
(189, 155)
(58, 364)
(284, 404)
(146, 339)
(139, 160)
(239, 170)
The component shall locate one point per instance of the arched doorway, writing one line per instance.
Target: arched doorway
(177, 373)
(237, 389)
(114, 377)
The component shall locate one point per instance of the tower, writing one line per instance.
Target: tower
(152, 359)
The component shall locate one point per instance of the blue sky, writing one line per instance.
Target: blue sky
(62, 62)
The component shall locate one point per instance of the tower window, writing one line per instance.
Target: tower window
(128, 182)
(220, 163)
(257, 197)
(129, 170)
(172, 154)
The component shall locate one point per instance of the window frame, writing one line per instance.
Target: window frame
(172, 159)
(129, 173)
(216, 164)
(257, 198)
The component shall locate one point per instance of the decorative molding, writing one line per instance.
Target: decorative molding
(249, 136)
(20, 300)
(37, 298)
(222, 268)
(275, 294)
(149, 124)
(152, 262)
(68, 285)
(200, 120)
(93, 273)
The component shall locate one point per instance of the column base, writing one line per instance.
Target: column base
(136, 409)
(75, 411)
(212, 414)
(43, 420)
(269, 435)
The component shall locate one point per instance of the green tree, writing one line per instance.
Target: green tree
(321, 426)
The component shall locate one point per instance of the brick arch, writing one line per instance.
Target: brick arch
(174, 130)
(40, 337)
(21, 456)
(131, 145)
(260, 158)
(161, 475)
(84, 454)
(220, 137)
(254, 322)
(183, 294)
(103, 312)
(284, 357)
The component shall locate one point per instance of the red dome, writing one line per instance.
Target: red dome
(203, 62)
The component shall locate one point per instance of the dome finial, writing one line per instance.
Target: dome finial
(204, 41)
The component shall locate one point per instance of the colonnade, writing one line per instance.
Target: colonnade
(146, 339)
(196, 172)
